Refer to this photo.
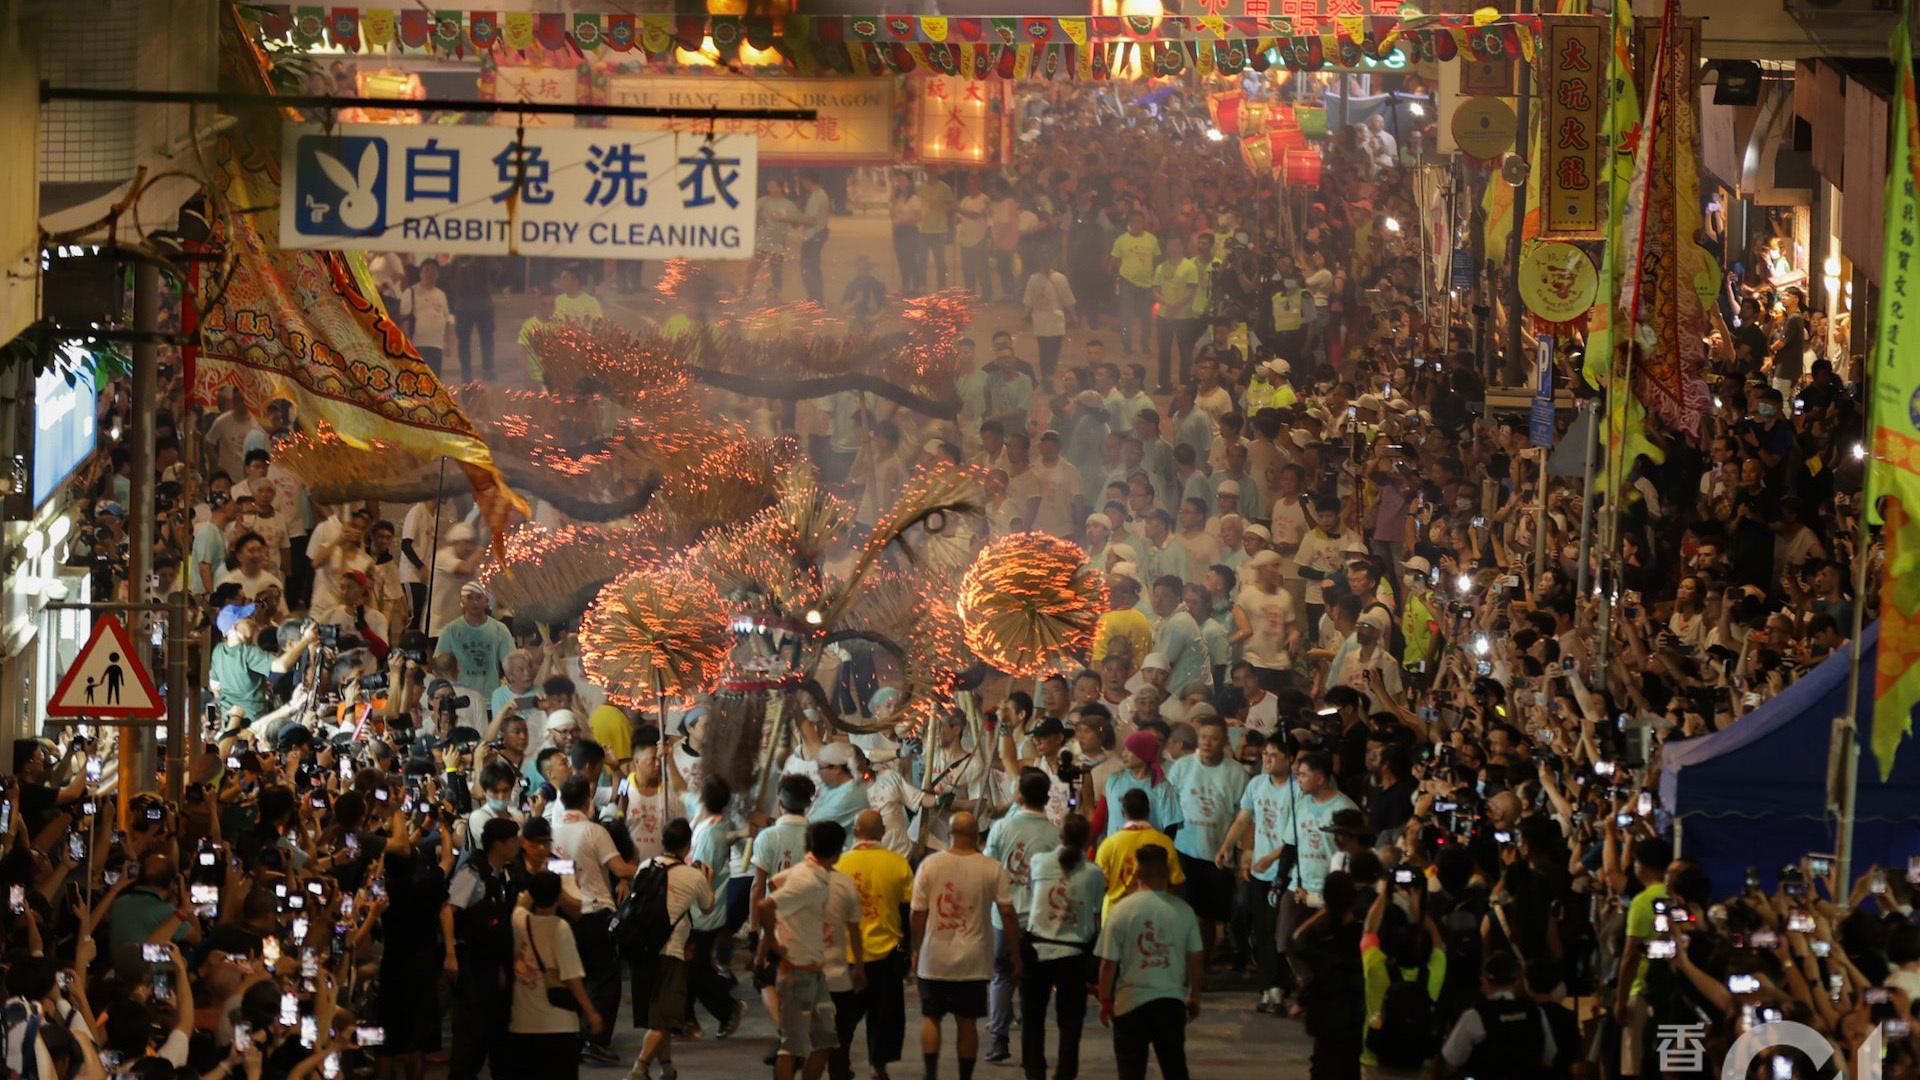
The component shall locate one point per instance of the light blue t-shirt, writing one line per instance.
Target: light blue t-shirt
(481, 650)
(1168, 560)
(1013, 842)
(781, 844)
(1149, 934)
(1316, 847)
(710, 849)
(1178, 638)
(1219, 639)
(210, 547)
(1065, 904)
(1209, 799)
(1163, 806)
(840, 804)
(1271, 805)
(1195, 486)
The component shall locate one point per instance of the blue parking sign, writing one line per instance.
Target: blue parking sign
(340, 185)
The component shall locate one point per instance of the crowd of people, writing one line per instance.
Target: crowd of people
(1350, 747)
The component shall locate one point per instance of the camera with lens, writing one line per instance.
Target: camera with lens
(454, 704)
(1069, 770)
(376, 681)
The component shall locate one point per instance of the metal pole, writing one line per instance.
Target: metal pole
(433, 559)
(333, 101)
(138, 757)
(1582, 575)
(1540, 515)
(1843, 768)
(1523, 100)
(1453, 231)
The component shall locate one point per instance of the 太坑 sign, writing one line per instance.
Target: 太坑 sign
(854, 125)
(1571, 136)
(495, 191)
(960, 121)
(546, 86)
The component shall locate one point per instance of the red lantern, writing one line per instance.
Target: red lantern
(1302, 168)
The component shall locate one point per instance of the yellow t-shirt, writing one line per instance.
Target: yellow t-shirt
(936, 207)
(886, 882)
(1116, 859)
(584, 306)
(612, 731)
(1137, 255)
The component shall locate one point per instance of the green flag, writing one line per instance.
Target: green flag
(1894, 470)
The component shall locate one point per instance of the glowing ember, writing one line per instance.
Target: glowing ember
(655, 629)
(1027, 601)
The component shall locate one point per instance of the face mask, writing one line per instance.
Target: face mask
(497, 806)
(1480, 788)
(1463, 504)
(1766, 410)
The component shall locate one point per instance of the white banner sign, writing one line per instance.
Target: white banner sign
(468, 190)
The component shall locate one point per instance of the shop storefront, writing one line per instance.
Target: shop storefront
(39, 642)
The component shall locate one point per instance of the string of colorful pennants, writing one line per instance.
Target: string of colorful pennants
(1006, 47)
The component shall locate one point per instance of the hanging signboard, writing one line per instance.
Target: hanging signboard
(1571, 136)
(1558, 284)
(1462, 270)
(485, 191)
(543, 85)
(1311, 16)
(960, 120)
(855, 125)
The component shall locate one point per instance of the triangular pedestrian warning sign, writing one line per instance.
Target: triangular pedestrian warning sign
(107, 680)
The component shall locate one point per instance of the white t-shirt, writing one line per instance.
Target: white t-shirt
(227, 440)
(444, 604)
(970, 227)
(843, 907)
(958, 892)
(799, 897)
(1326, 554)
(1264, 714)
(272, 530)
(339, 616)
(889, 795)
(687, 888)
(540, 943)
(1048, 297)
(576, 837)
(646, 817)
(290, 501)
(428, 306)
(1269, 614)
(1289, 525)
(251, 586)
(1055, 485)
(419, 528)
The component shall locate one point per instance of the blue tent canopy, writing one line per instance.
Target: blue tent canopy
(1755, 793)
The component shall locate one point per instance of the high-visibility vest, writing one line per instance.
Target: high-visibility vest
(1290, 312)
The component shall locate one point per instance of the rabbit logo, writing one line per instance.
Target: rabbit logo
(341, 185)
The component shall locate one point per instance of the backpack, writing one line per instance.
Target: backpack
(19, 1016)
(1402, 1034)
(486, 926)
(641, 928)
(1460, 932)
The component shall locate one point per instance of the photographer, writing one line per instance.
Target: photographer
(238, 670)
